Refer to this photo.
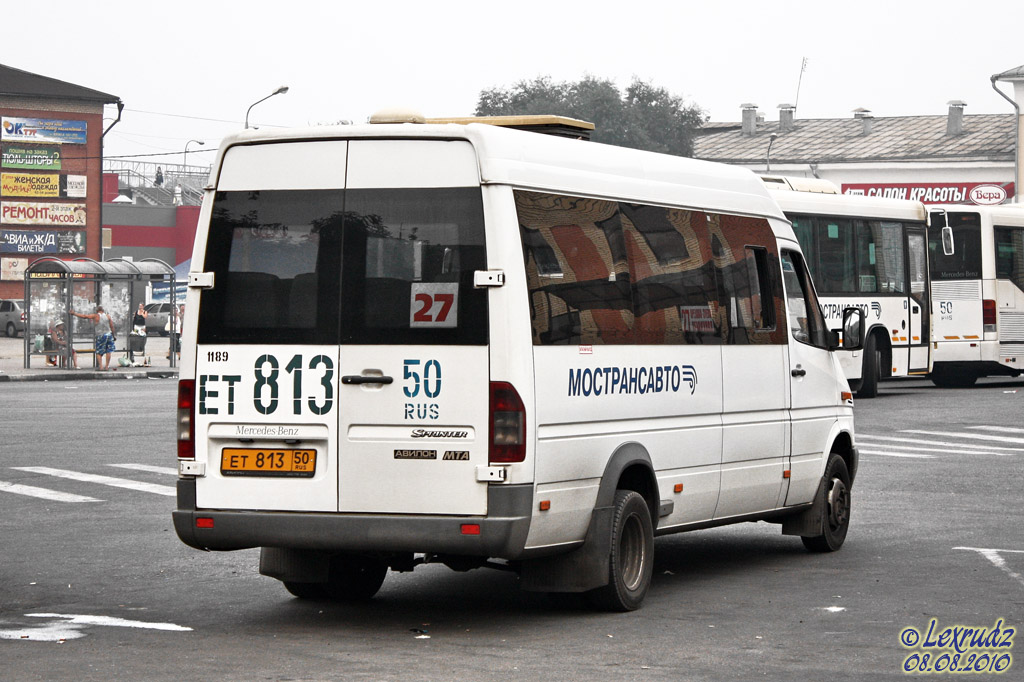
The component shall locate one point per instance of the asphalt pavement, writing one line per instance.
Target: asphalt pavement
(12, 363)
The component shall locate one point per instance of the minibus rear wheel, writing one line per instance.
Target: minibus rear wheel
(836, 513)
(631, 562)
(353, 578)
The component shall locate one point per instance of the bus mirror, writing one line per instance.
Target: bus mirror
(853, 329)
(947, 241)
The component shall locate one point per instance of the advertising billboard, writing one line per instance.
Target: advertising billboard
(42, 130)
(42, 213)
(30, 157)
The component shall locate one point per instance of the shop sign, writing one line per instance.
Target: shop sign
(42, 213)
(13, 268)
(42, 130)
(30, 241)
(43, 185)
(31, 157)
(935, 192)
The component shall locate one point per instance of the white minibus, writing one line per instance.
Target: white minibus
(871, 253)
(480, 346)
(977, 275)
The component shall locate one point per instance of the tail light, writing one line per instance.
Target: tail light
(508, 424)
(988, 315)
(186, 419)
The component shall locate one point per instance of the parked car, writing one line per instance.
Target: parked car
(156, 318)
(12, 316)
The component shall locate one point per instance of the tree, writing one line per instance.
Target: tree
(644, 117)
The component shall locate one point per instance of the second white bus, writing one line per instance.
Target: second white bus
(870, 253)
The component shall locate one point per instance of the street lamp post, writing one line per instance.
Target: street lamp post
(280, 91)
(184, 160)
(768, 154)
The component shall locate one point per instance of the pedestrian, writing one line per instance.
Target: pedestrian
(59, 342)
(137, 338)
(159, 177)
(105, 335)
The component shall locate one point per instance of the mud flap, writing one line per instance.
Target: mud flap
(580, 570)
(808, 523)
(293, 565)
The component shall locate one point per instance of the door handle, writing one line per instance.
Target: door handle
(364, 379)
(799, 372)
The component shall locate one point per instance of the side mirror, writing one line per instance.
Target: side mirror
(947, 241)
(853, 329)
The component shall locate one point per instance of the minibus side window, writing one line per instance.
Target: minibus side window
(1010, 254)
(805, 318)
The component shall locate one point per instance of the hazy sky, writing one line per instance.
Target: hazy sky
(189, 70)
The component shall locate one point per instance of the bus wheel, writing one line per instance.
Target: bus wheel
(355, 578)
(311, 591)
(871, 371)
(836, 515)
(631, 562)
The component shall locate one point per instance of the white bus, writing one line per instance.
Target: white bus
(870, 253)
(977, 292)
(479, 346)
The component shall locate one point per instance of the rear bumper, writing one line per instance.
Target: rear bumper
(502, 532)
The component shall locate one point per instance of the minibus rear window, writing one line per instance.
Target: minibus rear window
(363, 266)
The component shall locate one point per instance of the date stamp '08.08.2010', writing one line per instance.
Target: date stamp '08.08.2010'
(958, 649)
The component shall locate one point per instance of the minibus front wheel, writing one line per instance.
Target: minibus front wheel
(631, 563)
(835, 519)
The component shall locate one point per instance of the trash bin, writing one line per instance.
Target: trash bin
(137, 344)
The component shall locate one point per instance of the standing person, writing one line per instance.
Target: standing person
(181, 327)
(159, 177)
(105, 335)
(137, 342)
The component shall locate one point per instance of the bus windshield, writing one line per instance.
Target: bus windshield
(965, 263)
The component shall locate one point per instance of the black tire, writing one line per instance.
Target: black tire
(871, 369)
(311, 591)
(11, 330)
(631, 562)
(835, 520)
(353, 579)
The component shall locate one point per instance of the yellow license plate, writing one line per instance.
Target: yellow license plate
(267, 462)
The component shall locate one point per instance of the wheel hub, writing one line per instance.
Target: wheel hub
(838, 504)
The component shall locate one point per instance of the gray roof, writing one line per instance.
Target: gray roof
(987, 137)
(24, 84)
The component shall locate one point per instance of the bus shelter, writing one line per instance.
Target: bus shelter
(55, 287)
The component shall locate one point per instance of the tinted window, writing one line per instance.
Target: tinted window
(615, 273)
(965, 263)
(326, 266)
(1010, 254)
(805, 319)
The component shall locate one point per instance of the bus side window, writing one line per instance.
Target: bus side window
(805, 318)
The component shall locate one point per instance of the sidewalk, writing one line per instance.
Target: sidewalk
(12, 364)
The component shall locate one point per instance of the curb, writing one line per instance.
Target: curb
(90, 376)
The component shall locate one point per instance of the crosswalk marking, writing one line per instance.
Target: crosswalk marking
(987, 449)
(1007, 429)
(171, 471)
(167, 490)
(888, 453)
(976, 436)
(43, 493)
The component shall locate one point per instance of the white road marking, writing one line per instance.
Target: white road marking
(947, 451)
(167, 490)
(886, 453)
(43, 493)
(1007, 429)
(999, 562)
(170, 471)
(70, 626)
(978, 436)
(924, 441)
(79, 619)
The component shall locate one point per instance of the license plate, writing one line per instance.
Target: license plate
(267, 462)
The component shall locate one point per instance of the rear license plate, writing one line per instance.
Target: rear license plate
(256, 462)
